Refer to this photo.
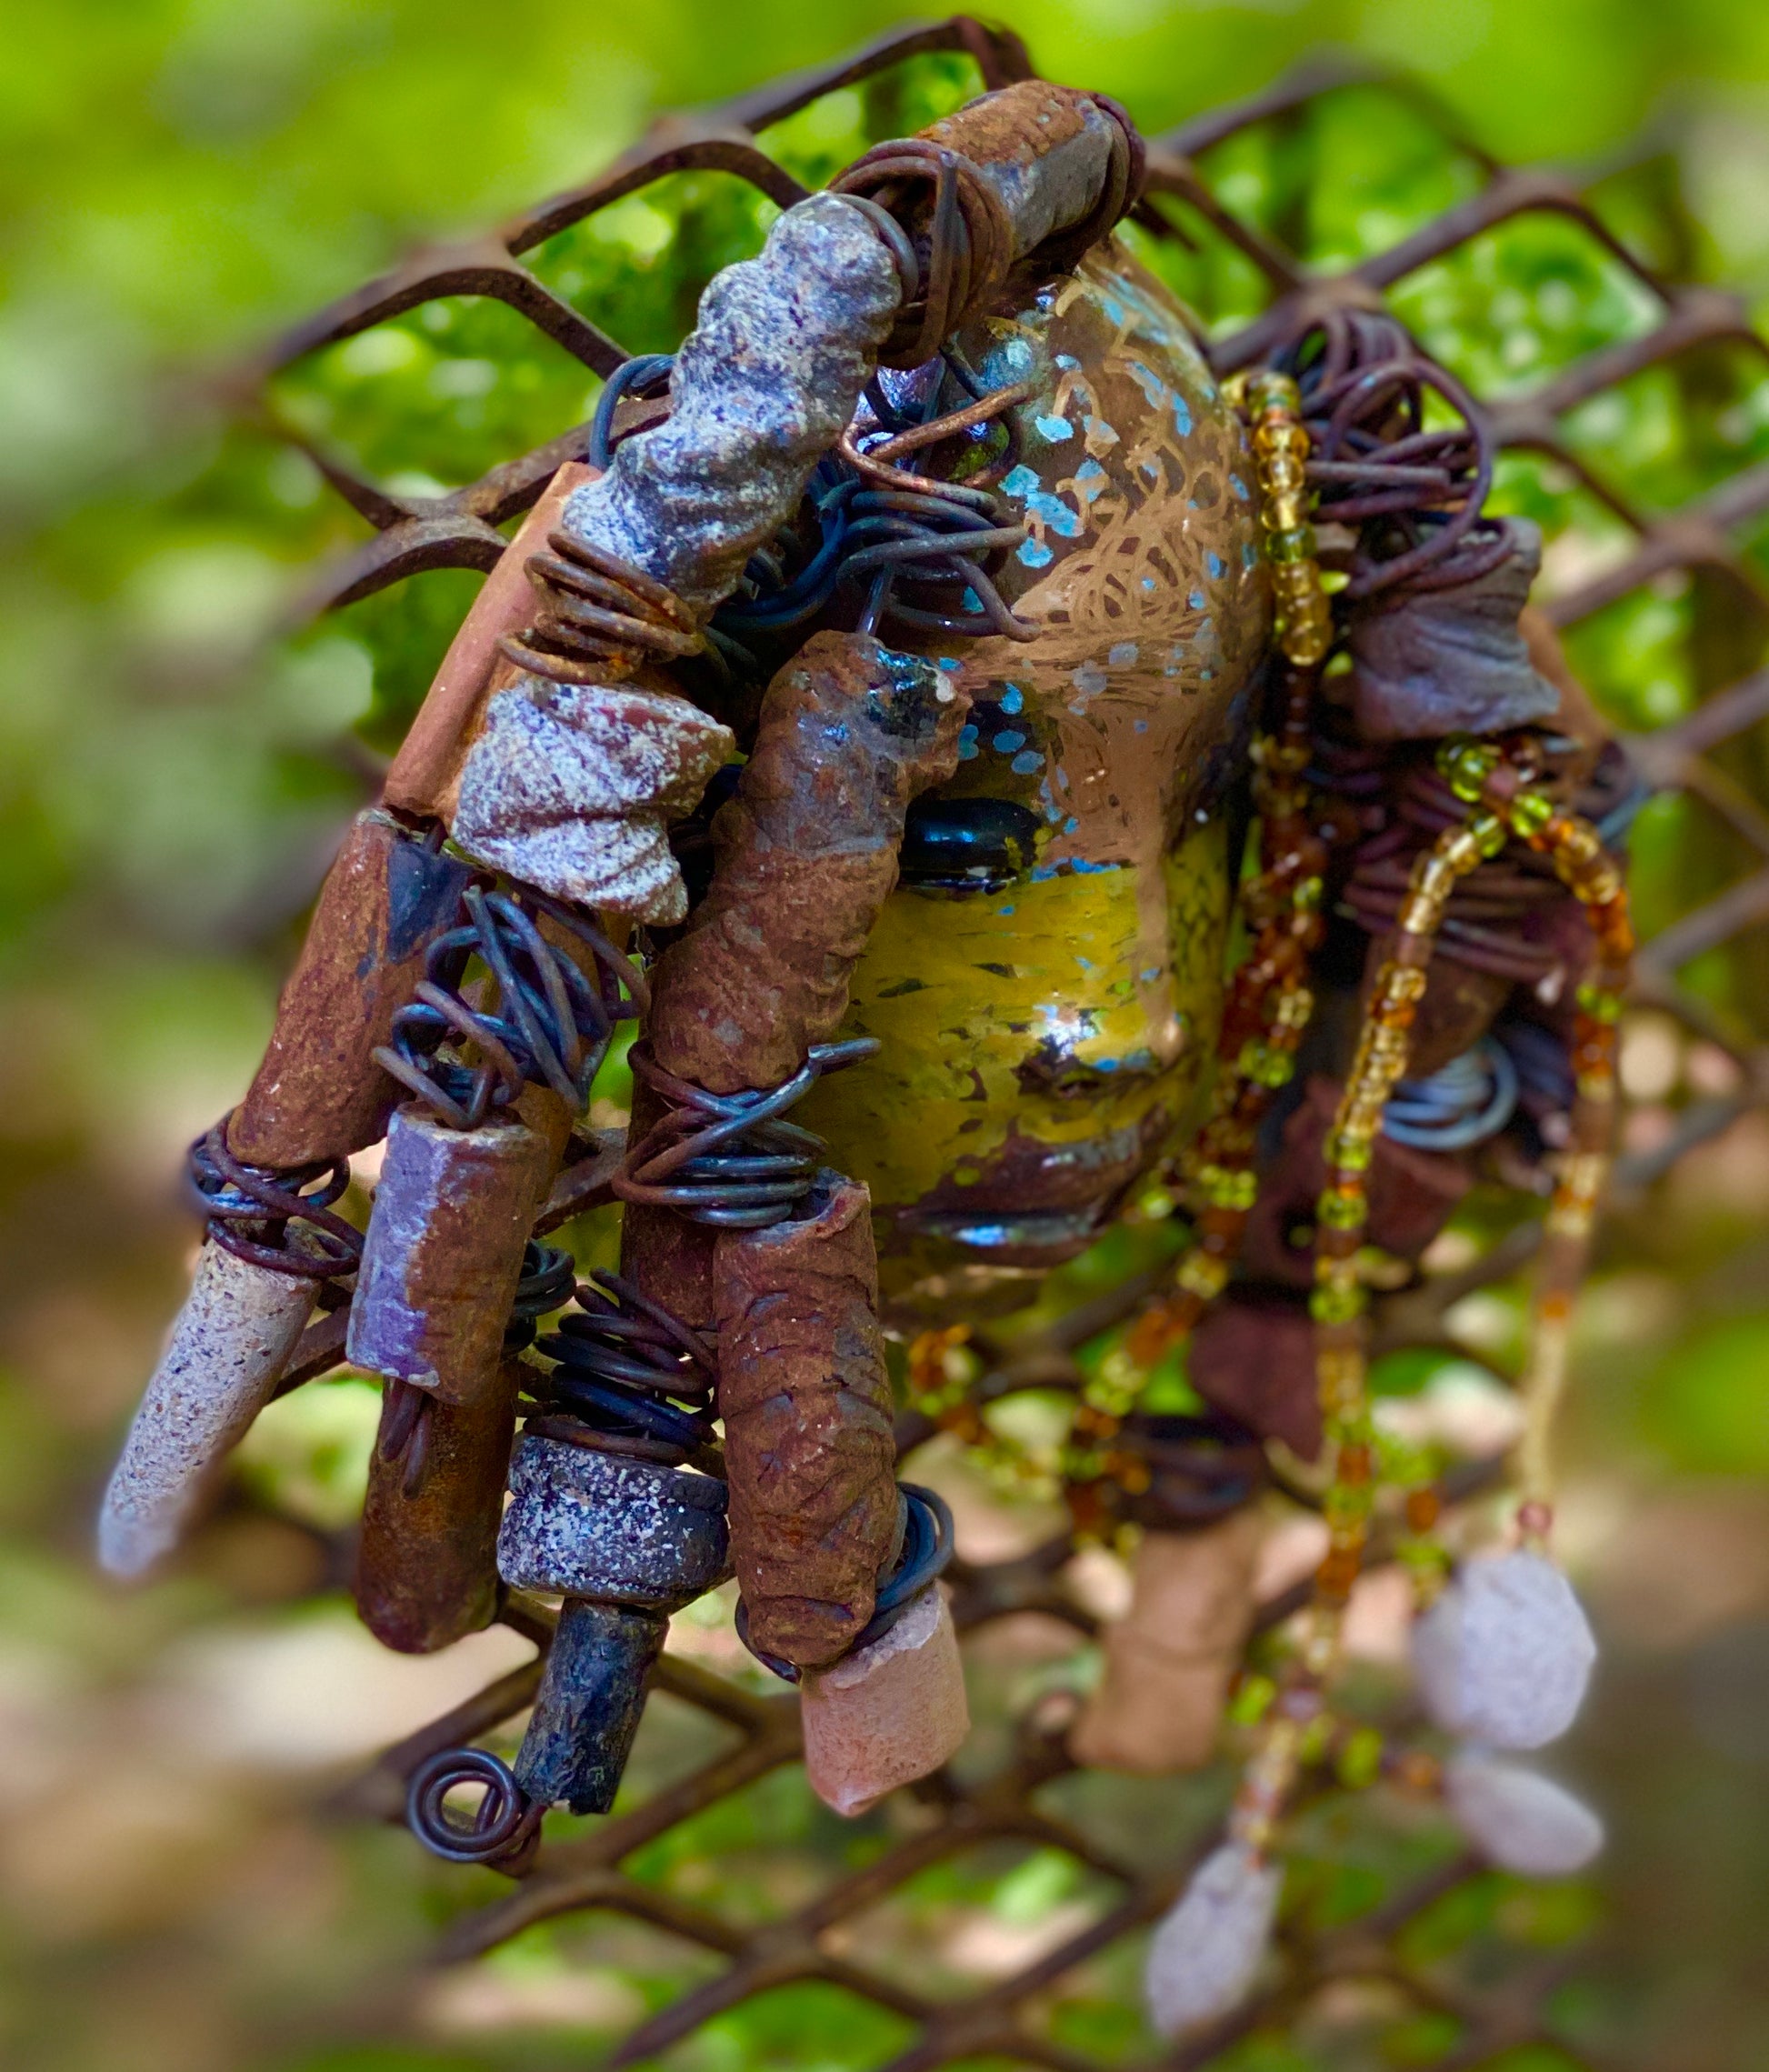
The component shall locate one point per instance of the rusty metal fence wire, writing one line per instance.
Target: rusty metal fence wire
(1697, 547)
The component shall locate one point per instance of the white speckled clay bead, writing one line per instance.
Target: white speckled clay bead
(1504, 1655)
(1519, 1821)
(1211, 1943)
(227, 1350)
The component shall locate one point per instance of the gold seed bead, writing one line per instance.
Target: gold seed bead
(1337, 1304)
(1227, 1186)
(1291, 542)
(1330, 1272)
(1295, 1006)
(1349, 1151)
(1201, 1275)
(1267, 389)
(1491, 833)
(1340, 1212)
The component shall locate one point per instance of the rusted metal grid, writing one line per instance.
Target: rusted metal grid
(1698, 542)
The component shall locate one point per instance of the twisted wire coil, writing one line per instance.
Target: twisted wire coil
(553, 1022)
(280, 1218)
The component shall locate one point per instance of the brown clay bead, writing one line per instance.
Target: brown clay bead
(807, 855)
(887, 1714)
(808, 1449)
(1169, 1661)
(319, 1093)
(426, 1563)
(444, 1251)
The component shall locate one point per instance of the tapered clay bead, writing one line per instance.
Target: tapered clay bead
(419, 778)
(227, 1350)
(808, 1446)
(889, 1713)
(319, 1093)
(1169, 1661)
(427, 1561)
(444, 1251)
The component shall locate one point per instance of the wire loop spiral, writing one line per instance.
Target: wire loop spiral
(249, 1210)
(929, 550)
(504, 1824)
(1469, 1099)
(728, 1159)
(553, 1022)
(1364, 386)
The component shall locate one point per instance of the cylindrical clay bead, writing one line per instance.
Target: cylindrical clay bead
(849, 734)
(319, 1093)
(228, 1348)
(1170, 1660)
(887, 1714)
(806, 1403)
(427, 1561)
(444, 1251)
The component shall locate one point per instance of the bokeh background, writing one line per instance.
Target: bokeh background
(178, 1892)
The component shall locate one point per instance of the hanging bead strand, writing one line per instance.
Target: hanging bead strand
(1476, 771)
(1339, 1304)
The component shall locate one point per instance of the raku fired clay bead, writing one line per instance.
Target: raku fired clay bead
(1208, 1949)
(444, 1251)
(626, 1542)
(571, 787)
(889, 1713)
(221, 1365)
(1170, 1660)
(806, 1403)
(1505, 1654)
(427, 1561)
(1519, 1820)
(319, 1094)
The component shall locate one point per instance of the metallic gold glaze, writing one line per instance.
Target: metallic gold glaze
(1042, 1036)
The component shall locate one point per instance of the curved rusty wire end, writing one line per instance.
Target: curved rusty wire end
(955, 226)
(505, 1826)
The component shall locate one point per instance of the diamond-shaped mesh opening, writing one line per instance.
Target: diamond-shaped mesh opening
(427, 401)
(1337, 179)
(978, 1915)
(1671, 434)
(1520, 303)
